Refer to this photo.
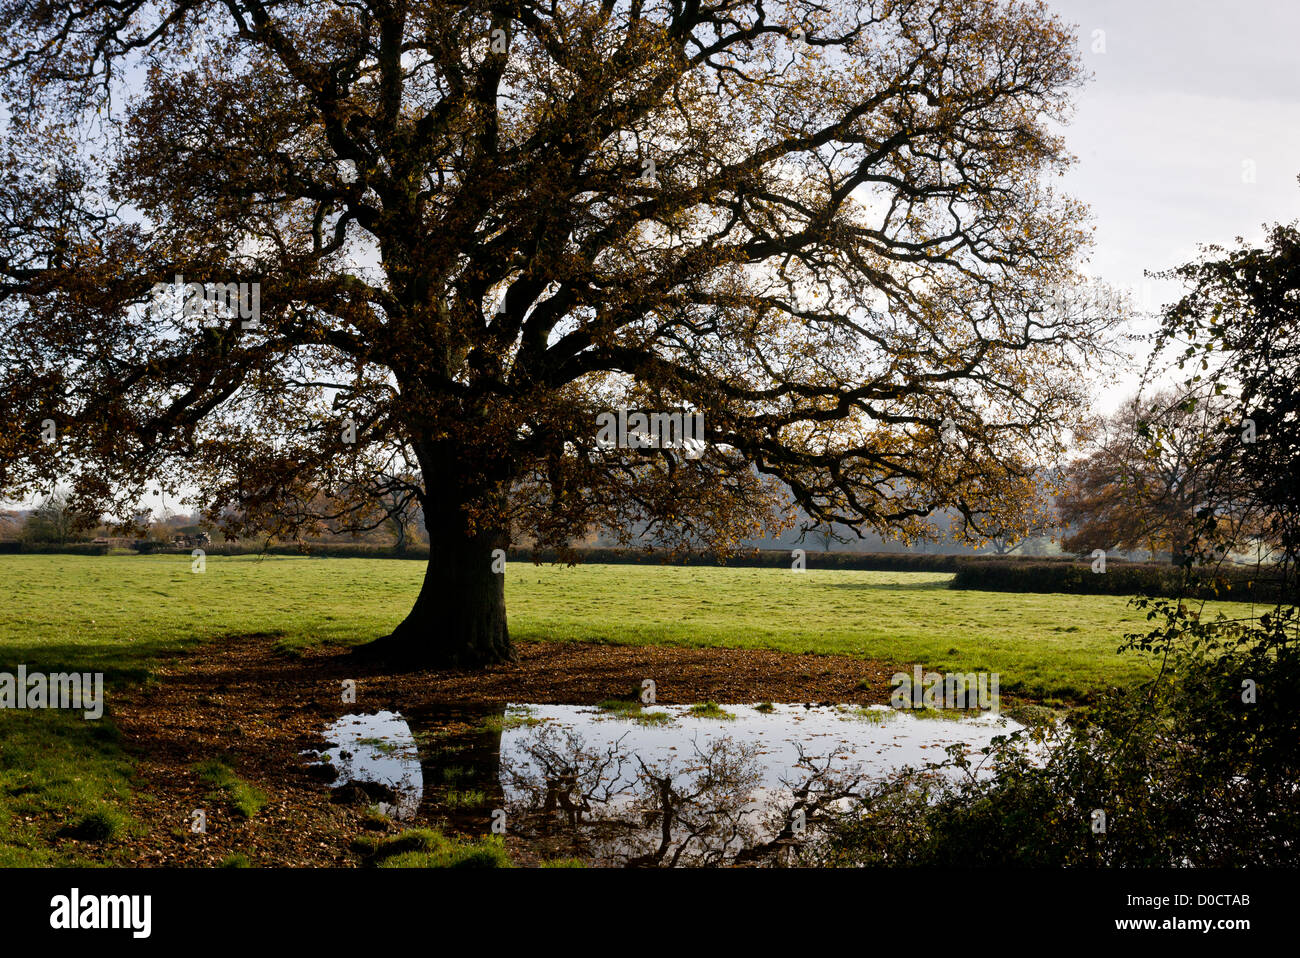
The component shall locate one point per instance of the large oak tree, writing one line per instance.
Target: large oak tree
(475, 226)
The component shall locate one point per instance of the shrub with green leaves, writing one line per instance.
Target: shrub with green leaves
(1197, 768)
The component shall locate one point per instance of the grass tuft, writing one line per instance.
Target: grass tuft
(101, 825)
(428, 848)
(633, 709)
(469, 798)
(711, 710)
(244, 799)
(1031, 715)
(862, 713)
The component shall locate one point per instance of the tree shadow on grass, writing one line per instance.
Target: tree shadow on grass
(121, 660)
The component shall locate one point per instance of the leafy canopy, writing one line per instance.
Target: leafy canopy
(474, 226)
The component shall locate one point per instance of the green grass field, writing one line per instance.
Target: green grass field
(118, 614)
(1043, 645)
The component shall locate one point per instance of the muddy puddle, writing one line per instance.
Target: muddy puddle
(627, 785)
(877, 739)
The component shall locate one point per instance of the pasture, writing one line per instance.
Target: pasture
(130, 616)
(114, 613)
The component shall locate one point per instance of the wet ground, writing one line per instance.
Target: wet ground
(598, 781)
(271, 718)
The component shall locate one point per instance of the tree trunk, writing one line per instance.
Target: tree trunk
(459, 617)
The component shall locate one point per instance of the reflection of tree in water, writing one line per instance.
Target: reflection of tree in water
(468, 740)
(563, 780)
(706, 810)
(372, 761)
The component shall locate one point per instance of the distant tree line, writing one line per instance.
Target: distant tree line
(55, 521)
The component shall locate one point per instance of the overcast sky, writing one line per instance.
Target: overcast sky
(1190, 101)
